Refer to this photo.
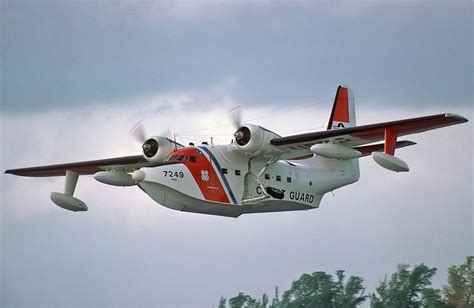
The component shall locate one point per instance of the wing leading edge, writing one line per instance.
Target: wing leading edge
(365, 134)
(126, 163)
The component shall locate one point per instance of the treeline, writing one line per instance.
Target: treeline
(406, 288)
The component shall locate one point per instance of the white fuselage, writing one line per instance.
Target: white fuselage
(222, 180)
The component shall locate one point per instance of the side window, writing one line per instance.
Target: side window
(267, 176)
(288, 179)
(224, 170)
(192, 159)
(237, 172)
(278, 178)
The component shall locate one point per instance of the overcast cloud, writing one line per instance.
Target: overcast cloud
(77, 76)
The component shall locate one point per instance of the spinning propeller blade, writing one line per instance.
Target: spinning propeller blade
(235, 115)
(138, 132)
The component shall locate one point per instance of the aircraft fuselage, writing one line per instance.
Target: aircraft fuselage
(216, 179)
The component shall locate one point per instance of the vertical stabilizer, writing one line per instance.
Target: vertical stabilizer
(343, 110)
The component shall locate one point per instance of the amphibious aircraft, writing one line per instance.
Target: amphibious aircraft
(259, 171)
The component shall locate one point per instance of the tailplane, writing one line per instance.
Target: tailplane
(343, 110)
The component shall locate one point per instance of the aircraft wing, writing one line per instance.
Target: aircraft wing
(125, 163)
(299, 145)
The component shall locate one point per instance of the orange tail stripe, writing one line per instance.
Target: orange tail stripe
(341, 111)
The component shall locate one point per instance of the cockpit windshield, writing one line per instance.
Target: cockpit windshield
(179, 157)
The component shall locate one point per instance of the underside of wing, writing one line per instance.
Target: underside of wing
(125, 163)
(299, 145)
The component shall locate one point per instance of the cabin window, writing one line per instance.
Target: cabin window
(278, 178)
(288, 179)
(179, 157)
(310, 183)
(224, 170)
(267, 176)
(192, 159)
(237, 172)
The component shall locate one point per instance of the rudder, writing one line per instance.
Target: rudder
(343, 109)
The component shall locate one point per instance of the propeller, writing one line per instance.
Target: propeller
(242, 134)
(138, 132)
(149, 145)
(235, 115)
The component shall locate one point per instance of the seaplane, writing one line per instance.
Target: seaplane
(259, 171)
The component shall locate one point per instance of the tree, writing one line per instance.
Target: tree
(222, 303)
(320, 290)
(276, 300)
(351, 294)
(459, 291)
(264, 302)
(405, 289)
(431, 298)
(243, 300)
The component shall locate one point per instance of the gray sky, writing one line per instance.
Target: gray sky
(77, 76)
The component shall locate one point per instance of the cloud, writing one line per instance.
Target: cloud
(284, 52)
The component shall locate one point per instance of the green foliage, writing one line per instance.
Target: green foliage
(431, 298)
(405, 288)
(222, 303)
(352, 293)
(276, 300)
(459, 291)
(243, 300)
(321, 290)
(313, 290)
(264, 302)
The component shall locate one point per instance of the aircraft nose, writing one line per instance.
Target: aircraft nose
(138, 175)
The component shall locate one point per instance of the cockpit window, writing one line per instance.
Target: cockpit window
(181, 157)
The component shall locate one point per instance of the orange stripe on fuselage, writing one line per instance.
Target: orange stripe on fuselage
(211, 188)
(341, 111)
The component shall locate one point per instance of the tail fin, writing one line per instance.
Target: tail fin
(343, 110)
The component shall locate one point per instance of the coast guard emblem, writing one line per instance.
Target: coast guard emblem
(205, 175)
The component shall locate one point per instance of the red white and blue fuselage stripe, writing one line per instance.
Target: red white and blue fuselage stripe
(217, 167)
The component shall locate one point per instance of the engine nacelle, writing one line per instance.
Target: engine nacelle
(255, 140)
(157, 148)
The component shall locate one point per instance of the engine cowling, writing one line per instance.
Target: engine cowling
(157, 148)
(255, 140)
